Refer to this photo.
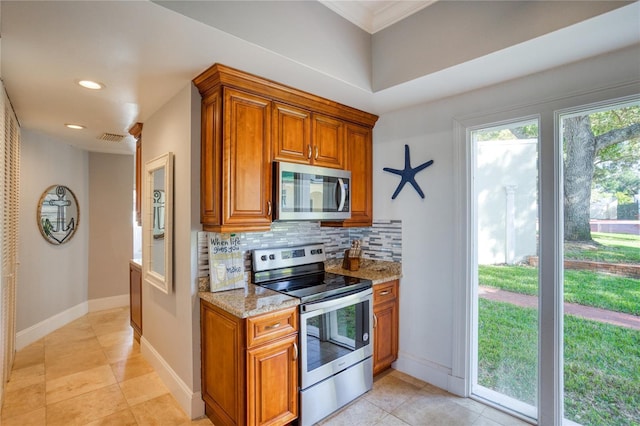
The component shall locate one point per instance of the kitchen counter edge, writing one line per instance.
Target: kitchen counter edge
(249, 301)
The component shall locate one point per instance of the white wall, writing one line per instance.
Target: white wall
(170, 338)
(293, 29)
(431, 308)
(506, 233)
(111, 184)
(52, 279)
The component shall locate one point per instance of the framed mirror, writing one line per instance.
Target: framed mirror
(58, 214)
(157, 224)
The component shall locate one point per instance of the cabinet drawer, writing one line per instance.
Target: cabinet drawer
(385, 292)
(272, 325)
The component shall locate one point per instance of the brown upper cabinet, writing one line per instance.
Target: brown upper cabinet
(300, 136)
(248, 122)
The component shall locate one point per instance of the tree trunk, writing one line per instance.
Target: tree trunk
(580, 152)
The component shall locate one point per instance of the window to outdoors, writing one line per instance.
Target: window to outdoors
(505, 191)
(601, 168)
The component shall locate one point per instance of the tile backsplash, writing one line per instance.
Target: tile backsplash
(382, 241)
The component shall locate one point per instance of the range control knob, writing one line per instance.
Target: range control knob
(272, 257)
(263, 258)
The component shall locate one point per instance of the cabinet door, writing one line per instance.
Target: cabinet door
(246, 160)
(359, 161)
(135, 300)
(327, 139)
(210, 162)
(291, 134)
(385, 337)
(222, 354)
(272, 382)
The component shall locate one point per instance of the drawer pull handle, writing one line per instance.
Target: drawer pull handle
(384, 293)
(316, 157)
(269, 208)
(295, 351)
(309, 152)
(375, 321)
(272, 326)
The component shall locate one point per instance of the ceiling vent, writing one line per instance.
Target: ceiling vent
(111, 137)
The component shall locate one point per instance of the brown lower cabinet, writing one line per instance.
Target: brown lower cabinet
(385, 323)
(135, 299)
(249, 366)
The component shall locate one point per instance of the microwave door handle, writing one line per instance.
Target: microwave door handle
(343, 194)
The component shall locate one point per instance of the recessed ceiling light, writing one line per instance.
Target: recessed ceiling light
(75, 126)
(93, 85)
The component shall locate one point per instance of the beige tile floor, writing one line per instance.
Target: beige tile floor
(400, 400)
(91, 372)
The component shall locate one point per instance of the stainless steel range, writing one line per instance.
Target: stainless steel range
(335, 326)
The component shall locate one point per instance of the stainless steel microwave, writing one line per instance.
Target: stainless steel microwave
(304, 192)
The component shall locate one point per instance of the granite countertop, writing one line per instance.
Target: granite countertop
(252, 300)
(249, 301)
(378, 271)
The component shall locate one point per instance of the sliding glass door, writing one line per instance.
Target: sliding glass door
(554, 264)
(505, 203)
(601, 280)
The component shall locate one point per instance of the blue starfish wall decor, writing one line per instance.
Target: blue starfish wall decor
(408, 174)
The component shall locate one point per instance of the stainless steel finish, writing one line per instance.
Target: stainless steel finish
(309, 378)
(322, 399)
(280, 257)
(332, 305)
(343, 208)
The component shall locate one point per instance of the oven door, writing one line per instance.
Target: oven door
(334, 335)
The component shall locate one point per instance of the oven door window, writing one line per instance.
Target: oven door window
(336, 333)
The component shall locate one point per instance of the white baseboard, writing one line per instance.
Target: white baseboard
(38, 331)
(457, 386)
(108, 302)
(191, 402)
(423, 369)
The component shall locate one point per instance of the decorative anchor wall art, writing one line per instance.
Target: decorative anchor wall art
(58, 214)
(408, 174)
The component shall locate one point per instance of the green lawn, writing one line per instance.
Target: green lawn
(583, 287)
(612, 248)
(602, 363)
(604, 291)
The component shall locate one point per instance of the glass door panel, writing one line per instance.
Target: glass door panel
(601, 169)
(505, 190)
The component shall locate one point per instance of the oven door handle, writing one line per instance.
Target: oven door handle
(362, 295)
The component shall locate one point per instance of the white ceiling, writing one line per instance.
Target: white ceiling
(145, 54)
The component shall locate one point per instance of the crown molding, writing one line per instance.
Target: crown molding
(373, 16)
